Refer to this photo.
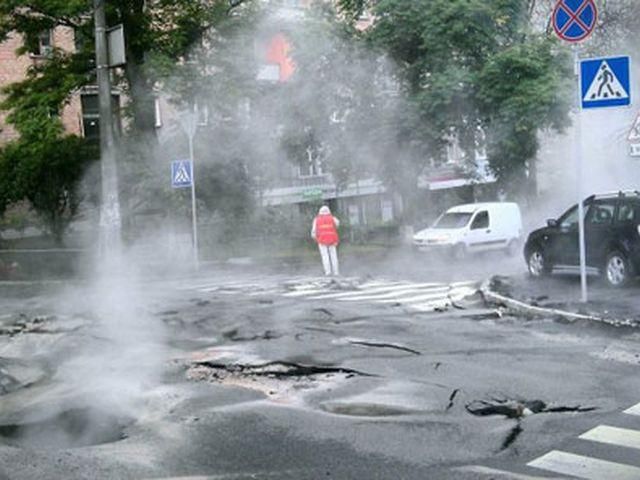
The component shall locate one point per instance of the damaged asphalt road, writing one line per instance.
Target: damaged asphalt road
(279, 387)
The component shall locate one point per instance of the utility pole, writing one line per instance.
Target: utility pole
(110, 221)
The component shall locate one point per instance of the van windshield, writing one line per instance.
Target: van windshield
(453, 220)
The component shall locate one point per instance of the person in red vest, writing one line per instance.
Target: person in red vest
(325, 232)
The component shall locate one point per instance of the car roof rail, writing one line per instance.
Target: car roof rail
(616, 193)
(623, 193)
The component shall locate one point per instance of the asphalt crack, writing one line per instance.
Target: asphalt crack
(280, 369)
(394, 346)
(452, 397)
(518, 408)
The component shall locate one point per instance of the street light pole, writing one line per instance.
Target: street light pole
(110, 221)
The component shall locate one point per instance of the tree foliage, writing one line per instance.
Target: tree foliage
(159, 38)
(46, 173)
(474, 69)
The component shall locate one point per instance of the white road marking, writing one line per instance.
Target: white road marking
(429, 306)
(493, 473)
(304, 292)
(365, 290)
(585, 467)
(415, 298)
(423, 297)
(397, 295)
(635, 410)
(622, 437)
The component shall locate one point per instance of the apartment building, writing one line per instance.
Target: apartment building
(80, 116)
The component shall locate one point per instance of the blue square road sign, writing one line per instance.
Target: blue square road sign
(181, 173)
(605, 82)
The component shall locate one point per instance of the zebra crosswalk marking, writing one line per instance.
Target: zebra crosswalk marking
(365, 290)
(320, 293)
(635, 410)
(297, 293)
(590, 468)
(415, 298)
(397, 295)
(585, 467)
(421, 297)
(621, 437)
(495, 474)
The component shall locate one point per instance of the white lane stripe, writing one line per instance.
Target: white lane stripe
(416, 298)
(430, 306)
(391, 289)
(585, 467)
(303, 293)
(635, 410)
(313, 289)
(398, 296)
(468, 283)
(494, 473)
(363, 290)
(621, 437)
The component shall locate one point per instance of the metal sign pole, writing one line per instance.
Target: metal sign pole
(194, 219)
(574, 22)
(578, 159)
(189, 123)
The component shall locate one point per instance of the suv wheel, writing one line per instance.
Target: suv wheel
(617, 270)
(537, 263)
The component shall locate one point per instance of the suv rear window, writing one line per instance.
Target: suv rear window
(626, 212)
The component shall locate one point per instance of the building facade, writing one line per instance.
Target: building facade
(14, 68)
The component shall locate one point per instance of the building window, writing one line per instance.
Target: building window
(91, 115)
(311, 166)
(45, 44)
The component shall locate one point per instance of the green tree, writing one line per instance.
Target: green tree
(159, 37)
(47, 174)
(471, 67)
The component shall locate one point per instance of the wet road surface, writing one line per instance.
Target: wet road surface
(288, 375)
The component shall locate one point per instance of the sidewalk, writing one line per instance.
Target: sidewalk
(558, 296)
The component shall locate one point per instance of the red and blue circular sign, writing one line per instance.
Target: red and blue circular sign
(574, 20)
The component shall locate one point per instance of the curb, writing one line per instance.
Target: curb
(517, 306)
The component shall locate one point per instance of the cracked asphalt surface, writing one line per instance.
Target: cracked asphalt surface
(268, 386)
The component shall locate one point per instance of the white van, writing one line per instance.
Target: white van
(473, 227)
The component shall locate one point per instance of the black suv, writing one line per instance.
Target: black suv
(612, 238)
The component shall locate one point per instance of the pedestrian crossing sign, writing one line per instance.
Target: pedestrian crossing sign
(181, 173)
(605, 82)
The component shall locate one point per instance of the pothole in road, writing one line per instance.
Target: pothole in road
(280, 380)
(77, 427)
(518, 409)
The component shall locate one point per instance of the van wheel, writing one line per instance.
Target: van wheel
(537, 263)
(617, 270)
(513, 247)
(459, 252)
